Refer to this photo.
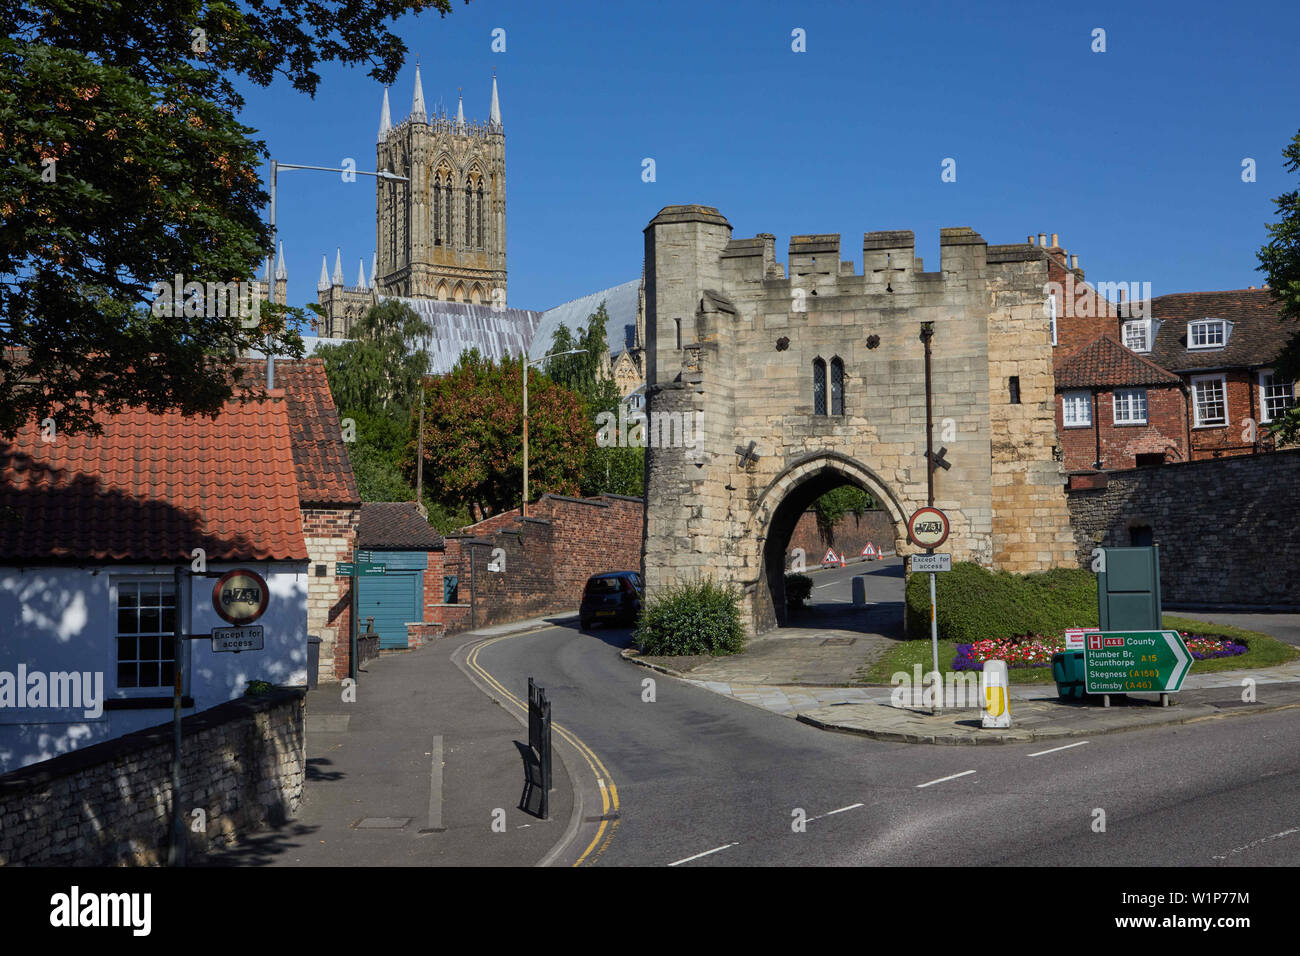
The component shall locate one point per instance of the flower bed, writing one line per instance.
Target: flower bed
(1036, 650)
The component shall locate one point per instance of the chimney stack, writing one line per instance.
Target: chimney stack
(1030, 240)
(1042, 239)
(1055, 240)
(1074, 262)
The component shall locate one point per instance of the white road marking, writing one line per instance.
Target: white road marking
(435, 785)
(1056, 749)
(1255, 843)
(820, 816)
(942, 779)
(716, 849)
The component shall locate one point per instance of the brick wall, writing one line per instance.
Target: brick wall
(1165, 432)
(330, 534)
(1243, 402)
(849, 535)
(547, 558)
(110, 803)
(1226, 528)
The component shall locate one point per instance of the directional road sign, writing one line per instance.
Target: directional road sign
(1122, 662)
(343, 569)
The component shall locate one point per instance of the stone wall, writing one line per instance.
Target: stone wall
(548, 557)
(330, 534)
(734, 336)
(1226, 528)
(110, 803)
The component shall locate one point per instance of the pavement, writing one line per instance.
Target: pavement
(812, 673)
(423, 769)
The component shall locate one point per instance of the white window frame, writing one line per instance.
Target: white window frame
(111, 686)
(1207, 323)
(1072, 398)
(1196, 405)
(1267, 373)
(1127, 393)
(1145, 325)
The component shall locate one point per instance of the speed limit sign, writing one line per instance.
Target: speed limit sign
(928, 527)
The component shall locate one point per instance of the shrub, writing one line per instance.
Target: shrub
(976, 604)
(797, 589)
(698, 618)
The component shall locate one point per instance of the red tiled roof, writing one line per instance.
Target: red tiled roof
(1257, 336)
(1104, 362)
(396, 525)
(153, 488)
(324, 469)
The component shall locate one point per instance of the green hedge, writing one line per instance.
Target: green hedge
(975, 603)
(700, 618)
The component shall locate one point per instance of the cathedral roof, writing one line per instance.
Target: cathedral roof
(458, 326)
(620, 331)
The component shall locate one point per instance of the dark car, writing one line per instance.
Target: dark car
(612, 598)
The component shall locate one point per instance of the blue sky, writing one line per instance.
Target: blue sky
(1134, 156)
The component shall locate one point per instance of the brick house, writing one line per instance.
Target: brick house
(1116, 409)
(1222, 345)
(329, 503)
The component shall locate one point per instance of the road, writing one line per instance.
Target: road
(703, 780)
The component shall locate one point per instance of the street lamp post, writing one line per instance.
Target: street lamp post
(523, 505)
(270, 276)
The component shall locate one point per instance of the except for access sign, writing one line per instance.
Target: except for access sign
(250, 638)
(931, 562)
(928, 527)
(1122, 662)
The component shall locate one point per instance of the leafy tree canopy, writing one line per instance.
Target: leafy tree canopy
(1280, 260)
(124, 168)
(378, 371)
(473, 436)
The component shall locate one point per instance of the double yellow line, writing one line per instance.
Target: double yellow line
(608, 792)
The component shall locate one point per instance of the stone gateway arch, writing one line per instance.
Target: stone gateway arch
(809, 376)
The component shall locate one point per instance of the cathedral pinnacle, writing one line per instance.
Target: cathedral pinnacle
(280, 271)
(385, 118)
(338, 268)
(324, 283)
(460, 111)
(494, 117)
(417, 102)
(361, 273)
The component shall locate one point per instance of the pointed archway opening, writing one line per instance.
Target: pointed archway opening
(830, 604)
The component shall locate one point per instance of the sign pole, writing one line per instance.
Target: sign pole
(352, 651)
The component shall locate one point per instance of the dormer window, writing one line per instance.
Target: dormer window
(1207, 334)
(1137, 335)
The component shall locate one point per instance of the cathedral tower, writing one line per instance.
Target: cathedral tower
(443, 234)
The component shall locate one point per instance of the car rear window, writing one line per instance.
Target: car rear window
(603, 586)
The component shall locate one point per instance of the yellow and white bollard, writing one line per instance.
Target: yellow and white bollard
(995, 693)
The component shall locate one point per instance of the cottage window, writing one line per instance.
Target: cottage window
(1130, 406)
(1275, 395)
(1210, 400)
(819, 387)
(1207, 334)
(1076, 409)
(146, 627)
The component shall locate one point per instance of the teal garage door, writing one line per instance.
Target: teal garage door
(393, 598)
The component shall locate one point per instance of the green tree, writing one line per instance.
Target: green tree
(1280, 261)
(473, 436)
(835, 504)
(613, 470)
(124, 166)
(378, 371)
